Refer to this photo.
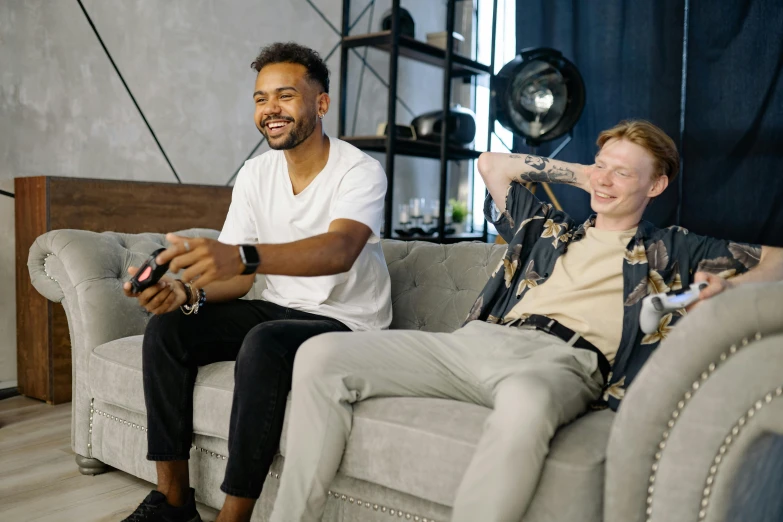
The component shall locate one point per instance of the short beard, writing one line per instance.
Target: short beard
(299, 133)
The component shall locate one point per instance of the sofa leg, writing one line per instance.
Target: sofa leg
(89, 466)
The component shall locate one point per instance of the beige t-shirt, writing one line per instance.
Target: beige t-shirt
(585, 290)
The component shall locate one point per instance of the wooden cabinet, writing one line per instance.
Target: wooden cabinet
(46, 203)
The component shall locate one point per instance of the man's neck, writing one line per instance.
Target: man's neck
(308, 158)
(603, 222)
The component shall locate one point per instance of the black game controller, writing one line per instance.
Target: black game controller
(149, 273)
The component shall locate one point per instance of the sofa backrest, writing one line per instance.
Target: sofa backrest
(433, 286)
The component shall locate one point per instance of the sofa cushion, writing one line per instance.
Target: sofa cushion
(423, 447)
(413, 445)
(115, 377)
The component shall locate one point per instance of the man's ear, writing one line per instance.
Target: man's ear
(659, 185)
(323, 103)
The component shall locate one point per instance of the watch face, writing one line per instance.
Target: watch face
(249, 254)
(250, 258)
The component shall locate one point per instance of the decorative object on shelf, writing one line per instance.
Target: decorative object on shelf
(407, 25)
(404, 216)
(439, 40)
(417, 208)
(539, 96)
(459, 210)
(407, 132)
(419, 218)
(461, 125)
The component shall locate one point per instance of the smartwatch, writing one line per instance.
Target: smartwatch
(250, 258)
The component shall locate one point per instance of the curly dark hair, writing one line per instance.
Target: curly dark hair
(291, 52)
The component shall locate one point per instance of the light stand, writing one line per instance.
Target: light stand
(539, 96)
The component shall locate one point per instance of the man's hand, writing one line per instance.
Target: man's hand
(161, 298)
(205, 260)
(715, 286)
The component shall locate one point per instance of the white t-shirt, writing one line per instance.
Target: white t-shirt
(264, 209)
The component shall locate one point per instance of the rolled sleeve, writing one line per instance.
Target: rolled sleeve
(521, 204)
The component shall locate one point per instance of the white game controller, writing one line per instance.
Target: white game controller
(657, 305)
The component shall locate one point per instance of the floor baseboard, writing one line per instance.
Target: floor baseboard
(8, 389)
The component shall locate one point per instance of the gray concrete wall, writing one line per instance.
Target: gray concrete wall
(65, 112)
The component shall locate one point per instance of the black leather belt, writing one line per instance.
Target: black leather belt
(552, 327)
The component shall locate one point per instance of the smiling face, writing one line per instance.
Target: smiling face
(622, 181)
(288, 104)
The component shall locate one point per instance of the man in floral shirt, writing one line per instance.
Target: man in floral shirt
(555, 329)
(655, 260)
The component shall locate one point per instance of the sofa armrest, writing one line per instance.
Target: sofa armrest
(709, 393)
(85, 272)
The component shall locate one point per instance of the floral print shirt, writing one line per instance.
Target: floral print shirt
(656, 260)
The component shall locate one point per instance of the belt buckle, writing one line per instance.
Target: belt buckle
(523, 324)
(547, 328)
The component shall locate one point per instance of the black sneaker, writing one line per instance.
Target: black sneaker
(156, 509)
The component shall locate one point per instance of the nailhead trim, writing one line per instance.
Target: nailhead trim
(680, 407)
(375, 507)
(46, 257)
(144, 429)
(89, 433)
(206, 451)
(344, 498)
(730, 438)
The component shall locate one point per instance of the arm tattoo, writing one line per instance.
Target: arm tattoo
(553, 175)
(537, 162)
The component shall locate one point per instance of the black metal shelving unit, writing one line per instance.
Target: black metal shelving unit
(454, 66)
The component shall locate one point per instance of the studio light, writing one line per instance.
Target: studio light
(539, 95)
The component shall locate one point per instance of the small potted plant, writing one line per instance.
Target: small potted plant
(459, 211)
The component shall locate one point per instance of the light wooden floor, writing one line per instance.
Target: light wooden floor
(39, 479)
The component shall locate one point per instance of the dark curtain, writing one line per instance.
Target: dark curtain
(733, 142)
(630, 56)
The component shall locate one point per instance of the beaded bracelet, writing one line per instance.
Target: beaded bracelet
(201, 299)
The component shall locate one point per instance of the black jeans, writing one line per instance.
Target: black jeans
(263, 339)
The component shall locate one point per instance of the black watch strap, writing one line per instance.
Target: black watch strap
(250, 258)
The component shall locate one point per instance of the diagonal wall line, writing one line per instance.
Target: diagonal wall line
(371, 3)
(133, 99)
(4, 193)
(323, 16)
(234, 175)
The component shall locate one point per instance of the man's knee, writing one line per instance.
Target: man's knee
(524, 406)
(320, 356)
(264, 345)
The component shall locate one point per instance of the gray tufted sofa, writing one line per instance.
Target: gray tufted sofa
(711, 391)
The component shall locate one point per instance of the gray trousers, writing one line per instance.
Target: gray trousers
(533, 382)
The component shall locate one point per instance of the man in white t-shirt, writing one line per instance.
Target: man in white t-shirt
(307, 215)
